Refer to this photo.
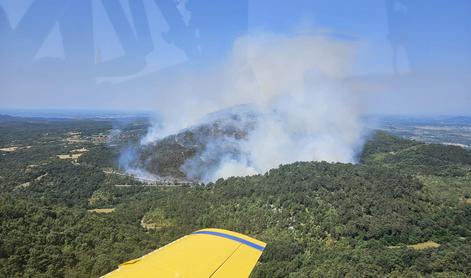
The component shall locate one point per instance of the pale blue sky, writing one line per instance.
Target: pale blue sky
(429, 40)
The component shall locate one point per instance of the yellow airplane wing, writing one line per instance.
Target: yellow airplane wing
(204, 253)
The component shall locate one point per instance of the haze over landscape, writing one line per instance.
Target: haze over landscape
(311, 78)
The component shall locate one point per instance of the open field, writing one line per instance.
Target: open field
(8, 149)
(420, 246)
(455, 131)
(74, 156)
(102, 210)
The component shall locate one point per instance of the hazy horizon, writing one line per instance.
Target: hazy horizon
(45, 112)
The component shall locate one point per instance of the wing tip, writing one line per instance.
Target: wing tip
(249, 239)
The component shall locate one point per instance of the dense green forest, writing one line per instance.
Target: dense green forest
(403, 211)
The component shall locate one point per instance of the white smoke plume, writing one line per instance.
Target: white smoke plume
(296, 86)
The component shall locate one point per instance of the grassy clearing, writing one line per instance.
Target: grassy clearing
(419, 246)
(9, 149)
(81, 150)
(102, 210)
(24, 185)
(74, 156)
(41, 177)
(424, 245)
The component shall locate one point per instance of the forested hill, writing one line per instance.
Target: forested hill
(416, 157)
(404, 211)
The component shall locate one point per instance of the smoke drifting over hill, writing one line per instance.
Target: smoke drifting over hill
(300, 108)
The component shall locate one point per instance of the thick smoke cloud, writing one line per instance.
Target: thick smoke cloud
(294, 84)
